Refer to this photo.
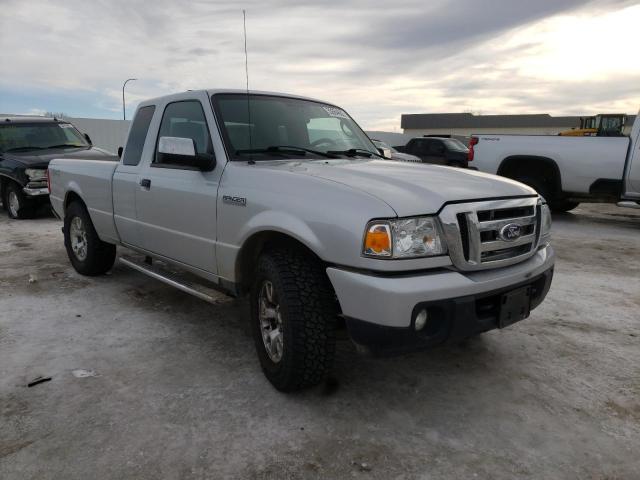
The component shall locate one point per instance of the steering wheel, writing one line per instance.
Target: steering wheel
(320, 141)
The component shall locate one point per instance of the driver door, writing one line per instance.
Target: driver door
(176, 204)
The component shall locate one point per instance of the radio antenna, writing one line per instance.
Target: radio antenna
(246, 72)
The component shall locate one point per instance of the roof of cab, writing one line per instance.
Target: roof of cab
(214, 91)
(26, 119)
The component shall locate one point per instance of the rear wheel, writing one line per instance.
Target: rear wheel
(562, 206)
(15, 201)
(557, 205)
(293, 315)
(88, 254)
(538, 184)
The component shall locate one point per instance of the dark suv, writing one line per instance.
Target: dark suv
(27, 144)
(438, 150)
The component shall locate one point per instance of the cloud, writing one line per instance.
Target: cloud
(377, 59)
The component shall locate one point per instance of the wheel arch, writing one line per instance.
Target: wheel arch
(5, 180)
(515, 166)
(262, 241)
(72, 196)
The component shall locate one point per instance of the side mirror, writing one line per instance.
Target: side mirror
(88, 139)
(182, 152)
(119, 152)
(385, 152)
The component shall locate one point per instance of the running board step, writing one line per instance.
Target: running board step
(629, 204)
(161, 271)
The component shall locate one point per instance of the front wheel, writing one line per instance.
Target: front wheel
(88, 254)
(15, 201)
(293, 315)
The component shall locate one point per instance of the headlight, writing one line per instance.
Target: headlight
(36, 174)
(545, 222)
(404, 238)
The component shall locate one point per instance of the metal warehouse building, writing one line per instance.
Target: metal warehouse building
(466, 124)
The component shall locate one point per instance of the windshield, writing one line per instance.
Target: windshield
(38, 136)
(455, 145)
(286, 122)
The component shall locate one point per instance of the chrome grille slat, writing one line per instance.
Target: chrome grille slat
(497, 224)
(477, 245)
(499, 244)
(474, 239)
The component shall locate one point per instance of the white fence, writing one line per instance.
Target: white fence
(106, 134)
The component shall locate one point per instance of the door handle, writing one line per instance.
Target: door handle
(145, 183)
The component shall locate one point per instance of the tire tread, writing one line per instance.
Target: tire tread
(311, 313)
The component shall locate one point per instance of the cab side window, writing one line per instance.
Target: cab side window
(436, 147)
(421, 147)
(186, 119)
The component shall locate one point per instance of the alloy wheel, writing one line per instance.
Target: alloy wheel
(270, 318)
(78, 237)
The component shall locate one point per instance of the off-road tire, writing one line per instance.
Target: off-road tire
(309, 313)
(100, 255)
(24, 210)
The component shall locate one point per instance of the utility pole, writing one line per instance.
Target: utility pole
(124, 113)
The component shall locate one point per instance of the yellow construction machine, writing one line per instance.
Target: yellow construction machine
(601, 125)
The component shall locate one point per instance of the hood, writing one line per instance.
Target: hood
(41, 158)
(409, 188)
(404, 156)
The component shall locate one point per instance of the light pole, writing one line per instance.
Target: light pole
(124, 113)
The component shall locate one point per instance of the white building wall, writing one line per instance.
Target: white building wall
(466, 132)
(391, 138)
(106, 134)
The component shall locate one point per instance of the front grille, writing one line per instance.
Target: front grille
(504, 213)
(505, 253)
(491, 234)
(464, 235)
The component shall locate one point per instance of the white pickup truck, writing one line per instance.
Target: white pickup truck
(565, 170)
(285, 199)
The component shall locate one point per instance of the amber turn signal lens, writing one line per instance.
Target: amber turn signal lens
(378, 241)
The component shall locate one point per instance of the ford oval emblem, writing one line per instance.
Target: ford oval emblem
(510, 232)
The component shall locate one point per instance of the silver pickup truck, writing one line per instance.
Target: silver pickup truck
(285, 199)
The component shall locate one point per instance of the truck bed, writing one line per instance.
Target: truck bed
(581, 160)
(91, 181)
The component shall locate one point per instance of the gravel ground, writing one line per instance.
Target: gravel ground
(148, 382)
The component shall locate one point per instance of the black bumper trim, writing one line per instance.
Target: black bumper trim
(450, 319)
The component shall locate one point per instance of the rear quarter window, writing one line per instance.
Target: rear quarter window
(137, 135)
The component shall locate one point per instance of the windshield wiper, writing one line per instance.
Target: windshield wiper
(354, 152)
(64, 145)
(285, 149)
(23, 149)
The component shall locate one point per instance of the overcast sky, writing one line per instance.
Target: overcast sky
(377, 59)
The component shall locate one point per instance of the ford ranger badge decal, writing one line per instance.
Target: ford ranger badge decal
(240, 201)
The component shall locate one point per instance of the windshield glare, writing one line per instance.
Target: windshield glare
(284, 121)
(39, 136)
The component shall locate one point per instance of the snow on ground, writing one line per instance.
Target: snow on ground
(148, 382)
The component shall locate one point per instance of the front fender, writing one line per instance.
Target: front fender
(281, 222)
(268, 221)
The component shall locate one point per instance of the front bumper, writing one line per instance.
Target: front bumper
(380, 310)
(35, 192)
